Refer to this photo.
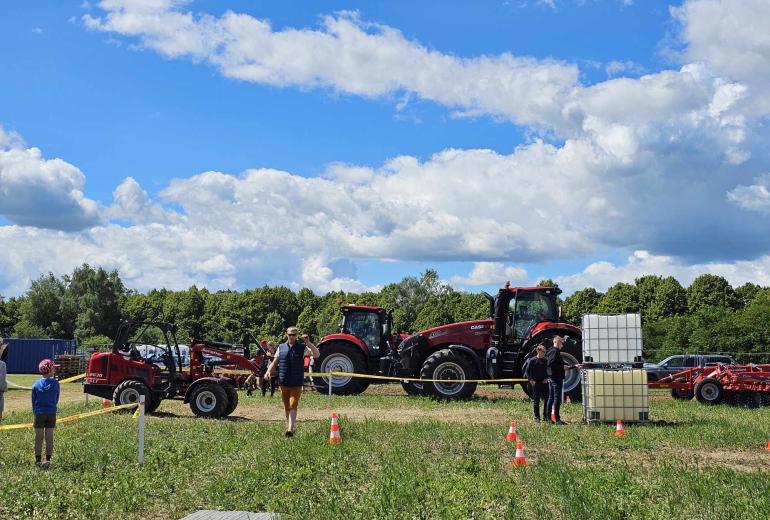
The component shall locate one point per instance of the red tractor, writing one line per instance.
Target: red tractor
(365, 337)
(496, 348)
(123, 375)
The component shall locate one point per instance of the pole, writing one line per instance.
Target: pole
(141, 430)
(330, 384)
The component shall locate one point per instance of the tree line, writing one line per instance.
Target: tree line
(708, 316)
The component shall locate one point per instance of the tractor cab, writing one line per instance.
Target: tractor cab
(520, 313)
(372, 325)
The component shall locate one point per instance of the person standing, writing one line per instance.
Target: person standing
(556, 370)
(290, 359)
(45, 399)
(3, 379)
(536, 370)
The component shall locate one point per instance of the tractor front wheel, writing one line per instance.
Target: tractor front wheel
(412, 387)
(683, 395)
(209, 400)
(709, 391)
(128, 392)
(232, 399)
(341, 357)
(153, 404)
(447, 364)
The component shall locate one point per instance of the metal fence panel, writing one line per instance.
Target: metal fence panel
(25, 354)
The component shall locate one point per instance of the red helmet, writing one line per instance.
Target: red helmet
(46, 366)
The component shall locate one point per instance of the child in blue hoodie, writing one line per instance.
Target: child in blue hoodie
(45, 398)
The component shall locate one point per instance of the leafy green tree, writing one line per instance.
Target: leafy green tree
(620, 298)
(711, 290)
(185, 309)
(408, 296)
(746, 293)
(579, 303)
(547, 282)
(91, 301)
(10, 315)
(669, 299)
(41, 314)
(451, 307)
(274, 327)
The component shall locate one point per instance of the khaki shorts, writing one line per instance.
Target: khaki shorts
(290, 396)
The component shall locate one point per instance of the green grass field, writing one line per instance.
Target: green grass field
(400, 457)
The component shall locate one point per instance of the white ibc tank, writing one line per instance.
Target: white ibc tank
(612, 338)
(609, 395)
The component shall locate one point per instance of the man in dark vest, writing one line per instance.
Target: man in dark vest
(556, 369)
(290, 358)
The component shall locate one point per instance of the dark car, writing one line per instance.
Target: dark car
(674, 364)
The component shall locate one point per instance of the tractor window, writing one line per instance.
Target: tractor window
(366, 326)
(529, 309)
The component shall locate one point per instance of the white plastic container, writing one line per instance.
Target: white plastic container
(612, 338)
(609, 395)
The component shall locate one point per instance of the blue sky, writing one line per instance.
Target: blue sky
(586, 141)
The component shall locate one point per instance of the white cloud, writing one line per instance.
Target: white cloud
(732, 36)
(45, 193)
(602, 275)
(132, 203)
(755, 197)
(490, 273)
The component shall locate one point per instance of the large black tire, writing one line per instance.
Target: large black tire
(413, 388)
(765, 396)
(343, 357)
(232, 399)
(153, 404)
(128, 392)
(682, 395)
(209, 400)
(449, 364)
(709, 391)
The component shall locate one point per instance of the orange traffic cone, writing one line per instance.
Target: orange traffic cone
(511, 437)
(568, 400)
(768, 444)
(619, 431)
(106, 403)
(334, 434)
(520, 459)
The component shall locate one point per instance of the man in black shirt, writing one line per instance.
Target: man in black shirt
(555, 378)
(536, 370)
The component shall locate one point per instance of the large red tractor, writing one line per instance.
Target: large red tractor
(496, 348)
(123, 375)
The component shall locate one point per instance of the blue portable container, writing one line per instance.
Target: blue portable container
(25, 354)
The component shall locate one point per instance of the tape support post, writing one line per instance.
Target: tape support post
(72, 418)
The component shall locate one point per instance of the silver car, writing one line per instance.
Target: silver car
(674, 364)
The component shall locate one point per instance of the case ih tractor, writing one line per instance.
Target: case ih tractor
(123, 375)
(520, 319)
(365, 336)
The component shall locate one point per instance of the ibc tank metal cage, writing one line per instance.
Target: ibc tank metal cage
(612, 338)
(612, 393)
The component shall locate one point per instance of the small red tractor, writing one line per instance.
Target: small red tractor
(739, 385)
(123, 375)
(520, 319)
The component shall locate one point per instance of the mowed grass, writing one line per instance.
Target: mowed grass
(400, 457)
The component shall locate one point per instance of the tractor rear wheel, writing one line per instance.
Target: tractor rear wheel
(684, 395)
(448, 364)
(765, 396)
(232, 399)
(413, 388)
(128, 392)
(209, 400)
(709, 391)
(341, 357)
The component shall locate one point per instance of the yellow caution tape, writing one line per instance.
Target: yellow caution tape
(72, 418)
(73, 378)
(14, 386)
(415, 379)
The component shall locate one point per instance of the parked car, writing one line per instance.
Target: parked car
(674, 364)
